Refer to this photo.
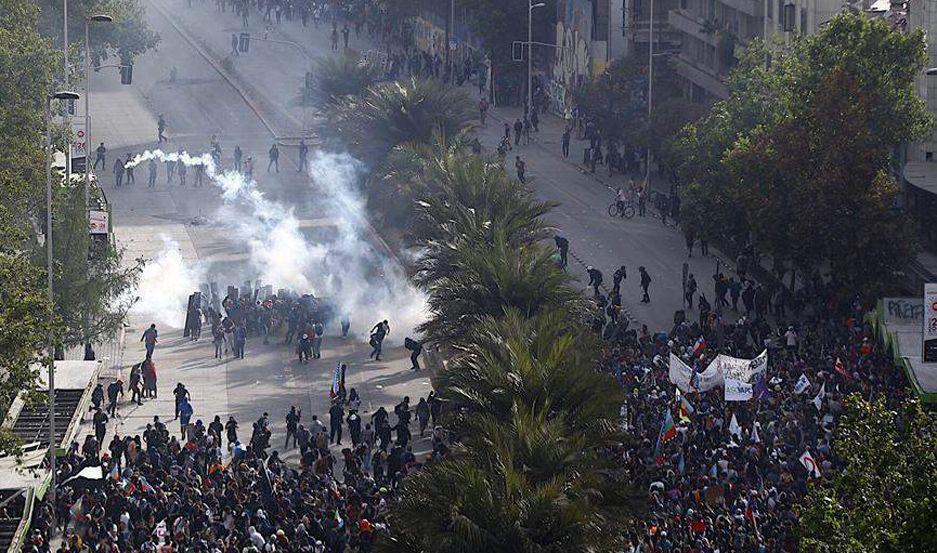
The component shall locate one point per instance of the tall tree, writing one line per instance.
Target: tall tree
(129, 35)
(884, 498)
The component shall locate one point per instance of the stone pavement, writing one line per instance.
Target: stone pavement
(200, 103)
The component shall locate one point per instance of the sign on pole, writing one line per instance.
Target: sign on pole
(79, 146)
(930, 322)
(98, 222)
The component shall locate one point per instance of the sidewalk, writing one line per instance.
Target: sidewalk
(275, 72)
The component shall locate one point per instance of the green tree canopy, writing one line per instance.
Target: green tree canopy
(883, 500)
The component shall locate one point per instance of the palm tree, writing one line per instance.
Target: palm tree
(344, 75)
(526, 484)
(545, 363)
(398, 112)
(484, 280)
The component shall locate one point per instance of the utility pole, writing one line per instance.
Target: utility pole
(650, 93)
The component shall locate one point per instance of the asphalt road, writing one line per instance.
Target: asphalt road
(188, 224)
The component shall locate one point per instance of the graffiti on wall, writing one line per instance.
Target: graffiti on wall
(572, 63)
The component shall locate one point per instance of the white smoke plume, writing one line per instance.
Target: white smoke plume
(360, 279)
(165, 285)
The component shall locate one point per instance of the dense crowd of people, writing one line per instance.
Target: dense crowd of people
(725, 475)
(204, 488)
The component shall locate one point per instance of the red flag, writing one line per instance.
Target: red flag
(841, 369)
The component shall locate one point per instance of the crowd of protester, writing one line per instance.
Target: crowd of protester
(204, 488)
(726, 476)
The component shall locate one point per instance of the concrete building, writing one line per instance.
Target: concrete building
(711, 34)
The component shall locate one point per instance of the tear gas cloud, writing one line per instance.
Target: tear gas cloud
(360, 279)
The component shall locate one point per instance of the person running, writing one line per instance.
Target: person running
(415, 348)
(180, 393)
(378, 333)
(149, 340)
(274, 158)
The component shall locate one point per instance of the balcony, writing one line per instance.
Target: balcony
(700, 75)
(686, 23)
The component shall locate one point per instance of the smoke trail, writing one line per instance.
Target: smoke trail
(364, 283)
(165, 285)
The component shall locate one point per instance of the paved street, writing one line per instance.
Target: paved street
(184, 235)
(595, 238)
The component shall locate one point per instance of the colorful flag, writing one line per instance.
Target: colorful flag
(667, 429)
(810, 464)
(685, 410)
(841, 369)
(755, 438)
(802, 384)
(699, 346)
(336, 381)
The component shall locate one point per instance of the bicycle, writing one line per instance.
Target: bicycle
(616, 209)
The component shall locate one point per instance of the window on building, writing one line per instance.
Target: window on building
(803, 21)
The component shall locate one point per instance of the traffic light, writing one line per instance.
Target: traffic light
(126, 74)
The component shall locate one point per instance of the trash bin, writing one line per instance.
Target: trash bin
(244, 42)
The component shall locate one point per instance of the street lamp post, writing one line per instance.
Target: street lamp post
(99, 18)
(530, 42)
(650, 94)
(60, 95)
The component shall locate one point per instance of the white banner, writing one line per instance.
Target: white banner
(741, 369)
(736, 390)
(687, 380)
(930, 322)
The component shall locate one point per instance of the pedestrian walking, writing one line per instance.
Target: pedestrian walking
(100, 153)
(645, 283)
(119, 172)
(129, 167)
(518, 130)
(292, 423)
(415, 348)
(483, 109)
(240, 341)
(274, 158)
(151, 173)
(135, 384)
(562, 246)
(521, 168)
(180, 393)
(217, 338)
(595, 279)
(149, 340)
(336, 415)
(690, 290)
(567, 134)
(182, 170)
(317, 332)
(114, 390)
(160, 128)
(334, 38)
(237, 158)
(345, 36)
(234, 45)
(303, 154)
(170, 170)
(620, 274)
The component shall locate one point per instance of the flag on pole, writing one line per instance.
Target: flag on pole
(699, 346)
(802, 384)
(667, 430)
(734, 428)
(685, 410)
(841, 369)
(336, 381)
(760, 388)
(810, 463)
(818, 400)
